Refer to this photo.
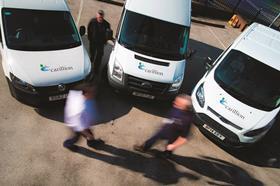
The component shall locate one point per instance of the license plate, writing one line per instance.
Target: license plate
(139, 94)
(58, 97)
(221, 137)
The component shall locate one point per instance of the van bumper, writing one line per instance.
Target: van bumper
(231, 139)
(152, 90)
(42, 94)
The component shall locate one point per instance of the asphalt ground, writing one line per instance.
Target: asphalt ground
(31, 139)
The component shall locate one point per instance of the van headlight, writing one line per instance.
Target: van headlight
(117, 71)
(22, 85)
(177, 84)
(258, 131)
(200, 95)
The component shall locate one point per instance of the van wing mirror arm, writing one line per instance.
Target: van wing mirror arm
(189, 53)
(209, 62)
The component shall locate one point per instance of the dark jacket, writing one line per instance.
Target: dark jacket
(97, 31)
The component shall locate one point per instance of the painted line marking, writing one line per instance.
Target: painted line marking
(80, 12)
(213, 33)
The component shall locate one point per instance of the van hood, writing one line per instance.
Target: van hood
(47, 68)
(229, 108)
(147, 67)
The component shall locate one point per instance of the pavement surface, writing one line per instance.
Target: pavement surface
(31, 139)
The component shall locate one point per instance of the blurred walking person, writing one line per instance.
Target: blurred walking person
(80, 114)
(176, 128)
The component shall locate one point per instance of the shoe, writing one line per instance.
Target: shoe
(139, 148)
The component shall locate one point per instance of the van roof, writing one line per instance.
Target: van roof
(35, 4)
(174, 11)
(261, 43)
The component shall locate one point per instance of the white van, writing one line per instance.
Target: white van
(148, 59)
(237, 100)
(42, 52)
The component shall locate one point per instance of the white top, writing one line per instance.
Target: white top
(79, 113)
(174, 11)
(59, 5)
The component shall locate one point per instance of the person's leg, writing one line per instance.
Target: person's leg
(172, 139)
(91, 141)
(148, 143)
(161, 134)
(98, 57)
(87, 134)
(152, 140)
(92, 49)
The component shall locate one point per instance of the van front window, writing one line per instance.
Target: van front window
(39, 30)
(249, 80)
(154, 37)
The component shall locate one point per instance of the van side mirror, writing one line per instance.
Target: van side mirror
(82, 30)
(208, 62)
(109, 34)
(189, 53)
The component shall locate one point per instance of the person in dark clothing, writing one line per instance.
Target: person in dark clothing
(175, 129)
(97, 37)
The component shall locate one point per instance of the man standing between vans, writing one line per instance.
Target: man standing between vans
(97, 36)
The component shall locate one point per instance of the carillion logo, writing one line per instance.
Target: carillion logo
(234, 111)
(223, 101)
(45, 68)
(141, 66)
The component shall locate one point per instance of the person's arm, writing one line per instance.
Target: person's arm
(179, 141)
(107, 28)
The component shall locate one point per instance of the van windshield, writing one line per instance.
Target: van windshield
(154, 37)
(249, 80)
(39, 30)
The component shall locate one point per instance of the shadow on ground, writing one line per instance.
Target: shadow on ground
(265, 153)
(164, 171)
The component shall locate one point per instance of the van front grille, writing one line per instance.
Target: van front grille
(49, 90)
(152, 87)
(223, 119)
